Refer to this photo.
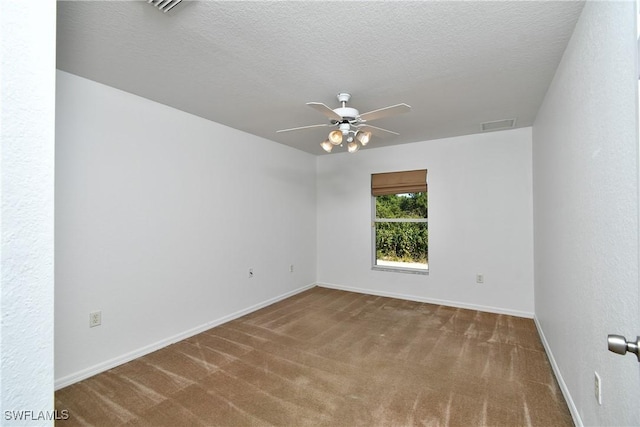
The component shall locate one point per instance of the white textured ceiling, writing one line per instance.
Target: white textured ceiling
(252, 65)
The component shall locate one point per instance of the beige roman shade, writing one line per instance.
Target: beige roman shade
(399, 182)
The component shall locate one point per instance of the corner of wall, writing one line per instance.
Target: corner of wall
(558, 374)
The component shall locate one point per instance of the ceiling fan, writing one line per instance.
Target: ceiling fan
(351, 126)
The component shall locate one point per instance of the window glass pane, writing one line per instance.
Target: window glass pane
(410, 205)
(402, 242)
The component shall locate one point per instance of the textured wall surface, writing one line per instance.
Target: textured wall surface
(159, 216)
(27, 132)
(585, 168)
(480, 221)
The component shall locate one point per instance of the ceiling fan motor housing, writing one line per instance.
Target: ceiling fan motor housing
(347, 113)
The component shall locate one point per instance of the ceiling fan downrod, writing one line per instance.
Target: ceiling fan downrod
(343, 98)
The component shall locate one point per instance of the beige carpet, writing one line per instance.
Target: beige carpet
(333, 358)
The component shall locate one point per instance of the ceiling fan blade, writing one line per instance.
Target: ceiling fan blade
(377, 131)
(320, 107)
(385, 112)
(303, 127)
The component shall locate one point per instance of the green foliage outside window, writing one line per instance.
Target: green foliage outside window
(402, 241)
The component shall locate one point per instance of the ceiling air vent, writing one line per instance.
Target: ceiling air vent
(164, 5)
(498, 125)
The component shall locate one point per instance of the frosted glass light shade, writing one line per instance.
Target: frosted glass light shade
(353, 147)
(364, 137)
(326, 145)
(335, 137)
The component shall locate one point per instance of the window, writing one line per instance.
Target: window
(399, 229)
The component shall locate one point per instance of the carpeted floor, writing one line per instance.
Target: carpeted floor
(333, 358)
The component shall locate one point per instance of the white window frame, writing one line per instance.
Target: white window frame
(374, 257)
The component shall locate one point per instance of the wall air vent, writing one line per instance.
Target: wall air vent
(164, 5)
(498, 125)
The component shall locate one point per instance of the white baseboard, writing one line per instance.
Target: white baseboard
(457, 304)
(563, 386)
(112, 363)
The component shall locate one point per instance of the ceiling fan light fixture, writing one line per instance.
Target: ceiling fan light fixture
(335, 137)
(346, 122)
(352, 147)
(364, 137)
(327, 145)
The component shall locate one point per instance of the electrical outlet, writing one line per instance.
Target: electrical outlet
(479, 278)
(250, 273)
(95, 318)
(597, 388)
(291, 268)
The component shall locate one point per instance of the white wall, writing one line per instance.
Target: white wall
(27, 85)
(480, 221)
(159, 216)
(585, 167)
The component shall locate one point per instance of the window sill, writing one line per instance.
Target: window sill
(400, 270)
